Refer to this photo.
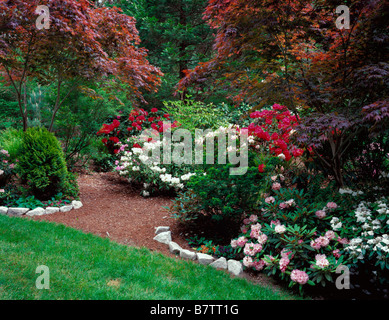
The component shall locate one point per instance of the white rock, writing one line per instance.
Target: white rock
(174, 247)
(66, 208)
(235, 267)
(158, 230)
(186, 254)
(17, 211)
(3, 210)
(204, 258)
(220, 263)
(164, 237)
(36, 212)
(76, 204)
(50, 210)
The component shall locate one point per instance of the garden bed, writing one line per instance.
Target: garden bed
(112, 209)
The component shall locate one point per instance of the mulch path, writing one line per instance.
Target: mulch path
(114, 209)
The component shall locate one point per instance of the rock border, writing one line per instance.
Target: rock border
(163, 235)
(12, 211)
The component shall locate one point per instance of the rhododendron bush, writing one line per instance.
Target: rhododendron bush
(304, 241)
(137, 163)
(122, 128)
(291, 237)
(273, 129)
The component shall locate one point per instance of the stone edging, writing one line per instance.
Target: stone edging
(39, 211)
(163, 235)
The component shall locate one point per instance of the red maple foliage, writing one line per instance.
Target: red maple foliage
(82, 43)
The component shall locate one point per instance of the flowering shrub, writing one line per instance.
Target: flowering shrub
(273, 130)
(6, 168)
(138, 166)
(218, 196)
(367, 227)
(137, 121)
(292, 238)
(6, 171)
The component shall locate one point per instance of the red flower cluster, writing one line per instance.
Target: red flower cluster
(137, 121)
(275, 128)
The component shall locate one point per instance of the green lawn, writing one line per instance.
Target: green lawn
(84, 266)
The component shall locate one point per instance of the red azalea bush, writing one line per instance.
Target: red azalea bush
(273, 130)
(137, 121)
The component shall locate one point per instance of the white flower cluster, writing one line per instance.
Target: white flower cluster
(171, 181)
(370, 237)
(137, 162)
(336, 225)
(349, 191)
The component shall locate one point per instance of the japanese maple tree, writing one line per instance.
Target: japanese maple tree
(292, 52)
(83, 43)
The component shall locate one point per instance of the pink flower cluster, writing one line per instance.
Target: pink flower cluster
(320, 242)
(320, 214)
(332, 205)
(321, 261)
(276, 186)
(269, 200)
(287, 204)
(299, 276)
(283, 264)
(256, 264)
(251, 249)
(240, 242)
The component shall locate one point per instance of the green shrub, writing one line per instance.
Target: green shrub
(11, 140)
(194, 115)
(42, 165)
(219, 195)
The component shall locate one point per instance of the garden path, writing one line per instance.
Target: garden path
(111, 208)
(114, 209)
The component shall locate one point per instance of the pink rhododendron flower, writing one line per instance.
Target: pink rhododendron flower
(298, 276)
(332, 205)
(320, 214)
(283, 205)
(274, 223)
(247, 261)
(279, 228)
(234, 243)
(262, 238)
(290, 202)
(258, 264)
(320, 242)
(276, 186)
(315, 245)
(283, 264)
(285, 253)
(342, 240)
(251, 249)
(336, 253)
(253, 218)
(255, 233)
(270, 200)
(321, 261)
(330, 234)
(241, 241)
(246, 221)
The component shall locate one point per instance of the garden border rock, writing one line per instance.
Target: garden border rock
(13, 211)
(163, 235)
